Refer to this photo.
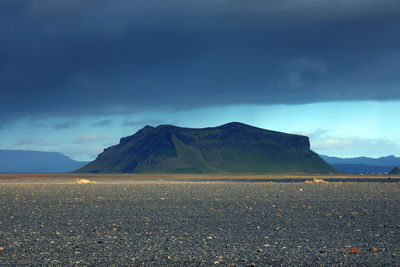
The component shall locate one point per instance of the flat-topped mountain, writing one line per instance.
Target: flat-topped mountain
(230, 148)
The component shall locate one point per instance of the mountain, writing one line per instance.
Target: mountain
(382, 161)
(24, 161)
(395, 171)
(363, 164)
(360, 168)
(230, 148)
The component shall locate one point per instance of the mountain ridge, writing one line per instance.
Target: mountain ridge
(31, 161)
(363, 164)
(381, 161)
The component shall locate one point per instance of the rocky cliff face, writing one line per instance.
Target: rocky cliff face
(230, 148)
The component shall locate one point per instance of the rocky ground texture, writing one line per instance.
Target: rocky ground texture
(232, 223)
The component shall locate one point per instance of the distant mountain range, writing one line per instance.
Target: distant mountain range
(363, 164)
(24, 161)
(229, 148)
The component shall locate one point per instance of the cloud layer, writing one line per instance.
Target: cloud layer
(66, 58)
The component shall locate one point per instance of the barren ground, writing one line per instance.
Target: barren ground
(49, 220)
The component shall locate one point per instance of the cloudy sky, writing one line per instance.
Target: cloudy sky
(75, 76)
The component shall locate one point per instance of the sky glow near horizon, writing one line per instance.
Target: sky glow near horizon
(344, 129)
(76, 76)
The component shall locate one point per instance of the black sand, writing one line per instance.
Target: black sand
(160, 223)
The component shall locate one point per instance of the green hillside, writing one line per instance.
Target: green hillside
(230, 148)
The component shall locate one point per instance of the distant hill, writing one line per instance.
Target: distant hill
(360, 168)
(395, 171)
(230, 148)
(24, 161)
(382, 161)
(363, 164)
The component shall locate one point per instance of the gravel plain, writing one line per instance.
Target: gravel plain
(200, 223)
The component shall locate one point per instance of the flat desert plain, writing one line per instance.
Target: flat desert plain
(53, 220)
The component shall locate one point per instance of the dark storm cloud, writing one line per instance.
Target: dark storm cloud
(102, 123)
(137, 123)
(33, 140)
(65, 125)
(90, 138)
(30, 140)
(62, 58)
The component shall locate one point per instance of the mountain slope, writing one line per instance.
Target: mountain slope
(363, 164)
(395, 171)
(230, 148)
(24, 161)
